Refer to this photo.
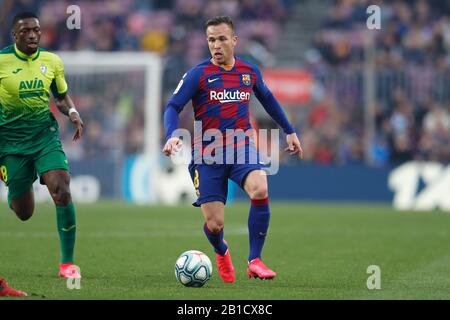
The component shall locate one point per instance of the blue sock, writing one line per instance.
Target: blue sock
(216, 239)
(258, 224)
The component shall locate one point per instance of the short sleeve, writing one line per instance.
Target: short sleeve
(59, 84)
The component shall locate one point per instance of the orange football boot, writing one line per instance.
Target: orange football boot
(69, 270)
(6, 290)
(225, 267)
(257, 269)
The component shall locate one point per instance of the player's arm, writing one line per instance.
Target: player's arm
(66, 106)
(185, 90)
(63, 101)
(273, 108)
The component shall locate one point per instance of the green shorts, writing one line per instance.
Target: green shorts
(20, 171)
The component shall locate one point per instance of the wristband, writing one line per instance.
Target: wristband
(73, 110)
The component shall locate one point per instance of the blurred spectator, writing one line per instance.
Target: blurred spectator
(412, 76)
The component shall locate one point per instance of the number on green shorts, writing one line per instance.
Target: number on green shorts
(3, 173)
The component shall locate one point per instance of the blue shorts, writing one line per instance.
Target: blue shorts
(211, 180)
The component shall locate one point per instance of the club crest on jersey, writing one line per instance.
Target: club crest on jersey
(246, 79)
(43, 68)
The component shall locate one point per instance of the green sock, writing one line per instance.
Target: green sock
(66, 222)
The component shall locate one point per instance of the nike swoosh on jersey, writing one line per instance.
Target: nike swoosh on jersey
(212, 80)
(68, 229)
(16, 71)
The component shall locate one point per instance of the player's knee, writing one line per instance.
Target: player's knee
(23, 206)
(24, 214)
(65, 198)
(259, 192)
(62, 197)
(215, 226)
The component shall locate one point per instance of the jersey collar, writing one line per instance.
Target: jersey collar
(22, 56)
(227, 67)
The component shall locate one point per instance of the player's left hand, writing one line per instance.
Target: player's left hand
(76, 120)
(294, 146)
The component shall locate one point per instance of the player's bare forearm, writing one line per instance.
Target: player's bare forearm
(66, 106)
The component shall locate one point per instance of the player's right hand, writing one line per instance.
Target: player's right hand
(78, 123)
(172, 145)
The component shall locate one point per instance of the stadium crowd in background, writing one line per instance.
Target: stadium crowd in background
(412, 66)
(412, 74)
(130, 25)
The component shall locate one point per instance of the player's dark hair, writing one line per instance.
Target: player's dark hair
(215, 21)
(23, 15)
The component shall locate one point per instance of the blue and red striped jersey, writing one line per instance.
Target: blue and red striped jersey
(221, 97)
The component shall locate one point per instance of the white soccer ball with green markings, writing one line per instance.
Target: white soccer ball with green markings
(193, 268)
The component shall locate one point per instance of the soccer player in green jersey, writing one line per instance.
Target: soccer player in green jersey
(29, 143)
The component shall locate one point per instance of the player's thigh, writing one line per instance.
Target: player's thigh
(210, 182)
(23, 205)
(53, 169)
(255, 184)
(18, 173)
(52, 160)
(57, 182)
(214, 214)
(251, 178)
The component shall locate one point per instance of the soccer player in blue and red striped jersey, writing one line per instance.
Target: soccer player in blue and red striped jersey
(220, 90)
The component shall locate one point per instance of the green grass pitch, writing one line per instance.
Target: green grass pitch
(320, 251)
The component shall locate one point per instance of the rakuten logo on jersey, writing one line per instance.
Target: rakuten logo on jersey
(229, 96)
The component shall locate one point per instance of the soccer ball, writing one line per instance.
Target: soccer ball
(193, 268)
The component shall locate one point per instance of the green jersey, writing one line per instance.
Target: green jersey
(26, 122)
